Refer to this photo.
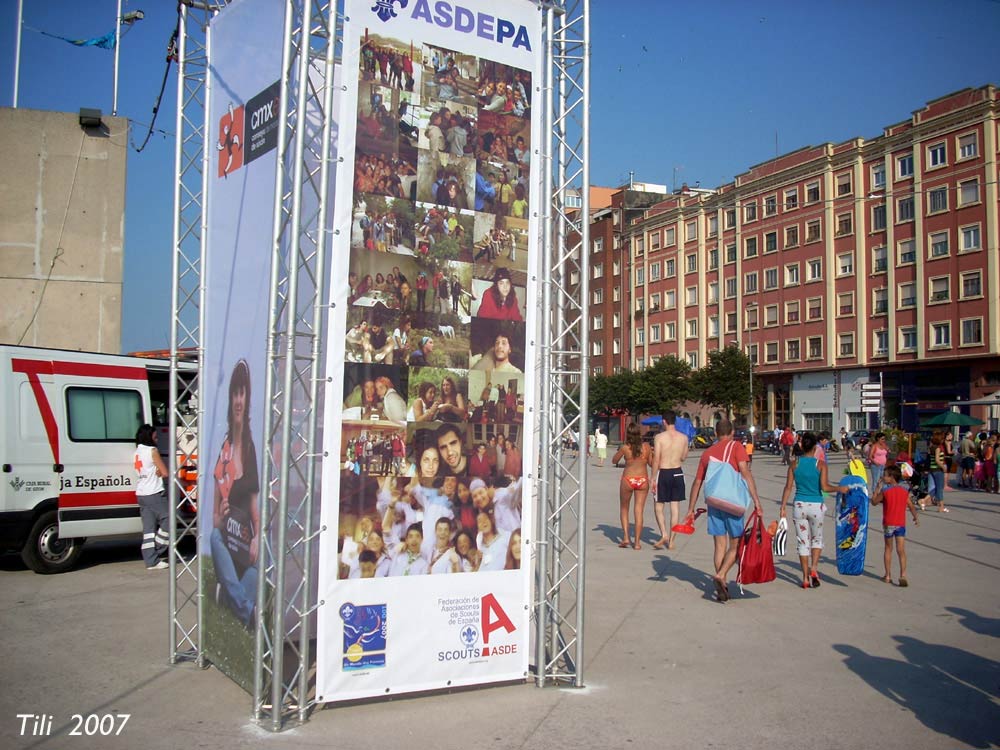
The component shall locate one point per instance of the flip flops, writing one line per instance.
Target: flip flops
(721, 590)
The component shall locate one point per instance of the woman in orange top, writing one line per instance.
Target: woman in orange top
(635, 482)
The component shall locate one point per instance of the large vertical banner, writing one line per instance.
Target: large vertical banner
(243, 124)
(426, 509)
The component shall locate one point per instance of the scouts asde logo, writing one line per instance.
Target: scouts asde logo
(385, 9)
(230, 143)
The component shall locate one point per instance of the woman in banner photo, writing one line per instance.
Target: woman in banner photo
(491, 542)
(235, 538)
(452, 406)
(807, 478)
(468, 555)
(500, 300)
(634, 483)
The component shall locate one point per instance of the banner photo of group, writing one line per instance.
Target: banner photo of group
(429, 401)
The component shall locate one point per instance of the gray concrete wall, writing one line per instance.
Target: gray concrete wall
(62, 229)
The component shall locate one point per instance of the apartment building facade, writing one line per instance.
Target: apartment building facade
(832, 266)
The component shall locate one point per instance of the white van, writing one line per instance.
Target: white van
(67, 436)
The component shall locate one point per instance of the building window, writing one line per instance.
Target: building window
(880, 260)
(968, 192)
(574, 278)
(815, 347)
(713, 259)
(691, 296)
(731, 288)
(813, 231)
(972, 284)
(972, 332)
(968, 146)
(691, 261)
(731, 253)
(750, 283)
(792, 236)
(814, 270)
(844, 184)
(936, 155)
(670, 268)
(814, 308)
(878, 175)
(907, 338)
(598, 322)
(640, 246)
(616, 320)
(771, 278)
(654, 333)
(751, 316)
(640, 363)
(878, 218)
(940, 334)
(812, 192)
(731, 320)
(730, 218)
(713, 225)
(692, 328)
(713, 292)
(671, 332)
(670, 299)
(939, 244)
(880, 340)
(640, 276)
(770, 316)
(574, 201)
(845, 264)
(640, 306)
(598, 244)
(770, 205)
(616, 268)
(691, 230)
(845, 224)
(845, 344)
(693, 360)
(597, 347)
(970, 238)
(713, 326)
(791, 312)
(937, 200)
(749, 212)
(792, 274)
(904, 209)
(906, 252)
(880, 301)
(640, 336)
(654, 240)
(845, 304)
(792, 353)
(654, 302)
(750, 247)
(598, 296)
(791, 199)
(940, 289)
(906, 293)
(654, 271)
(904, 166)
(752, 354)
(771, 351)
(598, 270)
(598, 370)
(669, 237)
(771, 242)
(616, 294)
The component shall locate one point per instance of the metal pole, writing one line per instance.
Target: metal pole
(118, 38)
(17, 48)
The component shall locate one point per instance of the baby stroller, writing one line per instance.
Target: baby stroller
(920, 481)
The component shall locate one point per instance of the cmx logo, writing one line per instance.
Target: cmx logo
(231, 139)
(17, 483)
(385, 9)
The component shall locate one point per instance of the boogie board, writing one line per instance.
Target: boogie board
(852, 526)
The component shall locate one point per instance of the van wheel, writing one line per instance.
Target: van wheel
(45, 551)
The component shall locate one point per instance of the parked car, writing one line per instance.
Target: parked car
(704, 437)
(859, 437)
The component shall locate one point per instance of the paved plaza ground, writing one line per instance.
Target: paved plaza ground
(855, 663)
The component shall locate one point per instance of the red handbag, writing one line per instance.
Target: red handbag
(754, 553)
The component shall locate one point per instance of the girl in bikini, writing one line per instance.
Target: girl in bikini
(635, 481)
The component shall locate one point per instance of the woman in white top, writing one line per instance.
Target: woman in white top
(152, 499)
(491, 542)
(468, 555)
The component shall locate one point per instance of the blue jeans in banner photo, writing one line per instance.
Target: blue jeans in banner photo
(238, 592)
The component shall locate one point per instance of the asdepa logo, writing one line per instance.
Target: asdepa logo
(385, 9)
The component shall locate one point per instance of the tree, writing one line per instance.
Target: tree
(725, 381)
(661, 386)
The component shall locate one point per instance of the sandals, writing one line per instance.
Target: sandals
(903, 583)
(721, 590)
(887, 579)
(806, 585)
(814, 579)
(624, 544)
(942, 509)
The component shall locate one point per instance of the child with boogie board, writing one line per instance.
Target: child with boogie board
(895, 502)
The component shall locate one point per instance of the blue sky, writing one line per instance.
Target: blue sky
(695, 92)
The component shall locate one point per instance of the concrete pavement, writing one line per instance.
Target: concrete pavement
(854, 663)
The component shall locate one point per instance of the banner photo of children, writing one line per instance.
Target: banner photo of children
(375, 393)
(496, 401)
(384, 225)
(376, 449)
(449, 76)
(438, 395)
(443, 233)
(446, 127)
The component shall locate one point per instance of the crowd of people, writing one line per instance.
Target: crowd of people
(379, 174)
(387, 66)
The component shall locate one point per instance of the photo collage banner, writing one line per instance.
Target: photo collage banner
(430, 364)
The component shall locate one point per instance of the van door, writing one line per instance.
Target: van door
(28, 460)
(102, 407)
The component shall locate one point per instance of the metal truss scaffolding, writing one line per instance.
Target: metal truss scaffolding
(564, 351)
(283, 688)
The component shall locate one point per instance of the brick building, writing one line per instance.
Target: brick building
(832, 266)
